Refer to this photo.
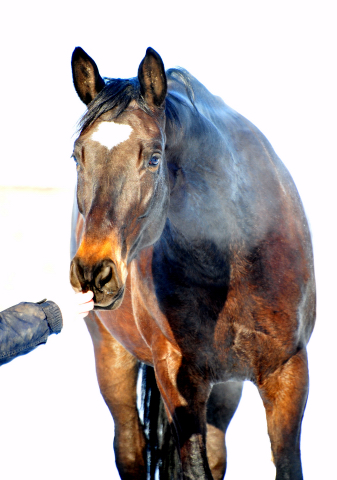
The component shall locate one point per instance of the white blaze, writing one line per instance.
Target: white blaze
(110, 134)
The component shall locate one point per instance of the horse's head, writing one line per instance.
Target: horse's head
(122, 187)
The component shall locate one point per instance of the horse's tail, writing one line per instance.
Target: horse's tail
(162, 455)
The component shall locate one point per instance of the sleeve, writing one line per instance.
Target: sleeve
(25, 326)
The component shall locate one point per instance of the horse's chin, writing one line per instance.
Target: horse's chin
(110, 303)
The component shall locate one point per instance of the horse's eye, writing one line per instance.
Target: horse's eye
(154, 161)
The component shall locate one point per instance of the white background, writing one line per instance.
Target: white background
(275, 63)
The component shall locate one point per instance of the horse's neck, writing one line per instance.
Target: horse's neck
(226, 182)
(200, 179)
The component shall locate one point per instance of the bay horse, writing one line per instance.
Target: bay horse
(193, 238)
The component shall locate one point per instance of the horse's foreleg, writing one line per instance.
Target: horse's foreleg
(221, 407)
(185, 398)
(117, 373)
(284, 394)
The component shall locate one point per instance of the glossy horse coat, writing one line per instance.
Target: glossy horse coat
(192, 236)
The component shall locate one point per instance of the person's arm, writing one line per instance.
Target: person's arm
(27, 325)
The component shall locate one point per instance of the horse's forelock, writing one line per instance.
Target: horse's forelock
(117, 94)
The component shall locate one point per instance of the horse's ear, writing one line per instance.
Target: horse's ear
(152, 79)
(87, 80)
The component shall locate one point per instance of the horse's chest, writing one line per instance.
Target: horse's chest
(221, 327)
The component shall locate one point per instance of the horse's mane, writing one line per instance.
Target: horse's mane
(118, 93)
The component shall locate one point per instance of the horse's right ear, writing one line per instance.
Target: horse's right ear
(87, 80)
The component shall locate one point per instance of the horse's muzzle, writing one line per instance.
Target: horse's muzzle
(101, 278)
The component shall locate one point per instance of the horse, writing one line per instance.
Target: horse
(190, 232)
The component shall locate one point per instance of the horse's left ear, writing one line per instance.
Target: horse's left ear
(152, 79)
(87, 80)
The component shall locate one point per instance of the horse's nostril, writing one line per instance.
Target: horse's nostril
(76, 275)
(103, 274)
(102, 278)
